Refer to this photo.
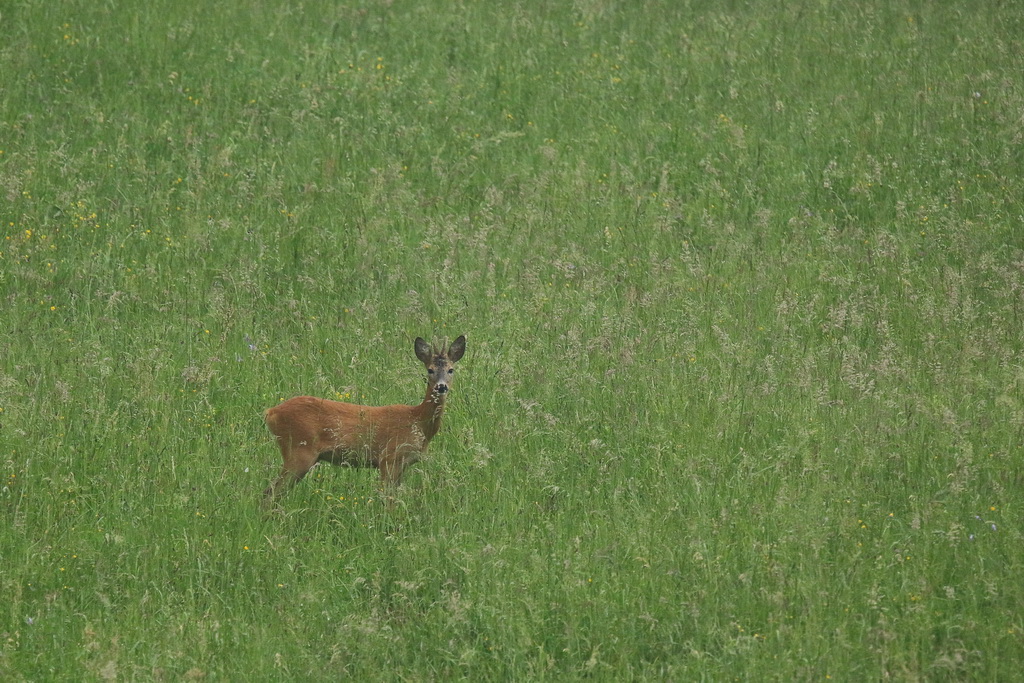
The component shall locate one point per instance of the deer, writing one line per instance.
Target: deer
(309, 430)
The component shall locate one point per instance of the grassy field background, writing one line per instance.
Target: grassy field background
(743, 285)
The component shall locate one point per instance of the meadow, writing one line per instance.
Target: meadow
(742, 283)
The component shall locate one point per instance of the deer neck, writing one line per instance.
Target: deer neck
(429, 413)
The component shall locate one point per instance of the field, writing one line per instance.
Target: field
(743, 288)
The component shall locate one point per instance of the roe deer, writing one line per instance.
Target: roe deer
(309, 430)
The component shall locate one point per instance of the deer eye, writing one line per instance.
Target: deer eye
(451, 371)
(430, 371)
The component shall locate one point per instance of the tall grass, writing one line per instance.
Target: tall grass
(742, 283)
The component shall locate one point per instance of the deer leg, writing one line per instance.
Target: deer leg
(390, 474)
(391, 470)
(297, 463)
(284, 483)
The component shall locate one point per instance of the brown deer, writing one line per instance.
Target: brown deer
(309, 430)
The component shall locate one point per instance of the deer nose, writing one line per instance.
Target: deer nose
(441, 388)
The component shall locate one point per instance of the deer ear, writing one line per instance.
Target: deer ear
(423, 351)
(457, 348)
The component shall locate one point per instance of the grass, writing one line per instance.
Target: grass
(742, 283)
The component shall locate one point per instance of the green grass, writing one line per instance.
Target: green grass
(743, 290)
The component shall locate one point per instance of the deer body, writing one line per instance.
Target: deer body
(309, 430)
